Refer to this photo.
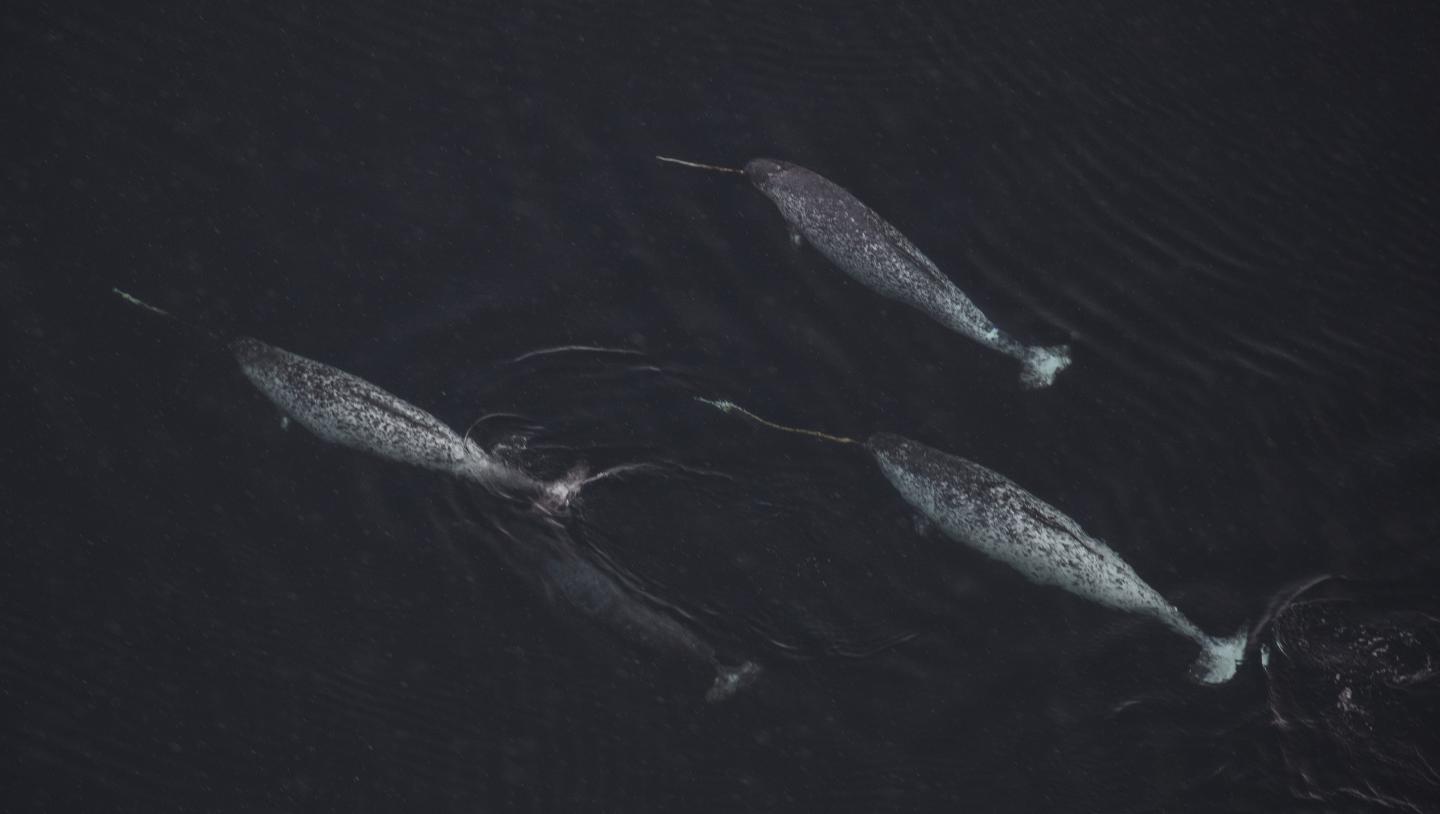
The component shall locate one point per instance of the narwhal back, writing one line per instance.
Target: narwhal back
(848, 233)
(347, 410)
(1002, 520)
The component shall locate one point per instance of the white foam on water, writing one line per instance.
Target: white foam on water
(1042, 365)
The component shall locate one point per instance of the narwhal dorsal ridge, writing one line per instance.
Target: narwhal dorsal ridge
(908, 249)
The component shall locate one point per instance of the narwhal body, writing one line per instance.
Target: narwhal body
(990, 513)
(863, 245)
(344, 409)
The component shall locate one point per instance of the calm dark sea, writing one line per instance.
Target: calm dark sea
(1228, 209)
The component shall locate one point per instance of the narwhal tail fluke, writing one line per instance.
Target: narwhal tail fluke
(1041, 365)
(1220, 658)
(731, 679)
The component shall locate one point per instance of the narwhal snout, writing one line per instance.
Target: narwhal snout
(885, 443)
(760, 171)
(249, 351)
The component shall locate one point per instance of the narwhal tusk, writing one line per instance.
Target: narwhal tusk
(700, 166)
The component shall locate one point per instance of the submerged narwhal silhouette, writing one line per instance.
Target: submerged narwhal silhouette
(863, 245)
(344, 409)
(990, 513)
(598, 595)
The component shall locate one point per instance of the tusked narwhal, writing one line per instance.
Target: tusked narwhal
(992, 514)
(866, 247)
(344, 409)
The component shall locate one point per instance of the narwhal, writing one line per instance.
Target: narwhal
(992, 514)
(597, 595)
(863, 245)
(344, 409)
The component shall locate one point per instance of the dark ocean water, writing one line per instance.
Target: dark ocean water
(1228, 209)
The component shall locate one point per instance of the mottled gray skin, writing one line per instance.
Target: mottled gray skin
(347, 410)
(863, 245)
(872, 251)
(990, 513)
(344, 409)
(596, 594)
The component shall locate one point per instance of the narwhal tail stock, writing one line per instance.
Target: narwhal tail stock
(1041, 365)
(1220, 658)
(730, 680)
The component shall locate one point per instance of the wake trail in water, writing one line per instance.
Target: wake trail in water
(575, 349)
(1353, 675)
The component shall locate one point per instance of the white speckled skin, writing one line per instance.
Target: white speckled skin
(865, 246)
(990, 513)
(347, 410)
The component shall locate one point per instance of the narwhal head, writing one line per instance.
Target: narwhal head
(888, 446)
(251, 352)
(278, 374)
(899, 456)
(288, 379)
(766, 173)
